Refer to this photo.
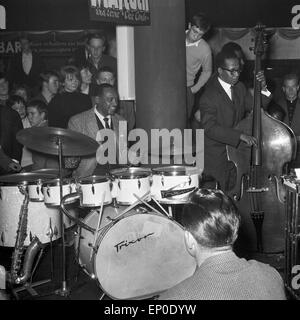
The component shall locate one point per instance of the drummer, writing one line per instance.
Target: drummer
(211, 222)
(102, 115)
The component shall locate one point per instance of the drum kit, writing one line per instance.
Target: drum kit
(128, 242)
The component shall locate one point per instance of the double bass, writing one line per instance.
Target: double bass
(258, 192)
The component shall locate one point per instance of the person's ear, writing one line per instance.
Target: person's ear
(190, 242)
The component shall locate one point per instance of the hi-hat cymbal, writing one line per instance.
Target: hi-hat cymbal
(45, 139)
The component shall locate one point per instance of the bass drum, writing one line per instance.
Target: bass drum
(137, 256)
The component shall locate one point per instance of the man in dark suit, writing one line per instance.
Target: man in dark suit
(26, 66)
(102, 115)
(223, 104)
(289, 101)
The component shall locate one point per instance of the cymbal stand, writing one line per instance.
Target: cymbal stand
(63, 291)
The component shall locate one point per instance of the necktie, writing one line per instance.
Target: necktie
(232, 94)
(106, 120)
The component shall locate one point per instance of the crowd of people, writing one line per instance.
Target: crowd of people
(83, 97)
(36, 96)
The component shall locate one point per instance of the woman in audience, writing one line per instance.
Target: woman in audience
(70, 101)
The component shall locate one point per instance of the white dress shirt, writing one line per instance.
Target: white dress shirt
(101, 118)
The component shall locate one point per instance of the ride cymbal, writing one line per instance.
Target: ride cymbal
(46, 140)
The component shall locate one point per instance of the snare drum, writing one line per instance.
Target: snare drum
(137, 256)
(173, 184)
(51, 191)
(130, 182)
(92, 190)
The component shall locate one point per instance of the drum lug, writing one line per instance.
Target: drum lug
(93, 189)
(55, 232)
(190, 180)
(150, 180)
(111, 185)
(2, 238)
(48, 191)
(0, 193)
(162, 180)
(139, 184)
(119, 184)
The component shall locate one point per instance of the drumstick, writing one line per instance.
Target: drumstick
(98, 225)
(162, 208)
(148, 205)
(125, 211)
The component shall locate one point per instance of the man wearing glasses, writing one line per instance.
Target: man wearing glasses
(223, 105)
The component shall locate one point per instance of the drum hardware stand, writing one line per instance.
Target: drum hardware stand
(29, 286)
(63, 291)
(98, 226)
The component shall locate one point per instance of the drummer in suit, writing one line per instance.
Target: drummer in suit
(102, 116)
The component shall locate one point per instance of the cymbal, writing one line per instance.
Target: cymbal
(45, 140)
(25, 177)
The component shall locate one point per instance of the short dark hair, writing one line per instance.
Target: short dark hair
(211, 217)
(101, 88)
(290, 76)
(39, 105)
(96, 36)
(14, 99)
(232, 46)
(224, 55)
(3, 76)
(201, 21)
(69, 69)
(46, 75)
(106, 69)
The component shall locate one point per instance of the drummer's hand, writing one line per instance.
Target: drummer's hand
(249, 140)
(14, 166)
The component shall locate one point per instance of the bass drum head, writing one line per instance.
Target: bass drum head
(142, 255)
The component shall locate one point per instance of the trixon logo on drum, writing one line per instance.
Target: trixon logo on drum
(175, 146)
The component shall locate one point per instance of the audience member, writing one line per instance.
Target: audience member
(26, 66)
(198, 57)
(4, 89)
(211, 222)
(18, 104)
(49, 83)
(69, 102)
(87, 87)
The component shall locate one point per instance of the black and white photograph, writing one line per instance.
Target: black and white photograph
(149, 153)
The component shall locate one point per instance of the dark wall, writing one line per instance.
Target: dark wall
(49, 15)
(73, 14)
(245, 13)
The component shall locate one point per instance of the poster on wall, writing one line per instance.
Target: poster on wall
(127, 12)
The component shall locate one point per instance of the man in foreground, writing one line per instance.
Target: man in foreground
(212, 222)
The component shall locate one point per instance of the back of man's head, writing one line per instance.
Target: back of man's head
(212, 218)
